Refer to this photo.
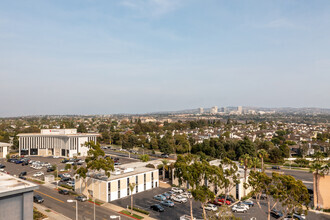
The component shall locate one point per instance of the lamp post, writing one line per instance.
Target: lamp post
(114, 216)
(56, 176)
(70, 200)
(94, 197)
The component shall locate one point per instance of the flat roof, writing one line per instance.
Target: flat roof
(10, 185)
(124, 170)
(59, 135)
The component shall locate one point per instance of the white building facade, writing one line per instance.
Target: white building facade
(4, 149)
(55, 142)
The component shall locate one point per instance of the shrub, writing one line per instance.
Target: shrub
(139, 210)
(134, 215)
(149, 165)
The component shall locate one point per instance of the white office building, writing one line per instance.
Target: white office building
(55, 142)
(4, 149)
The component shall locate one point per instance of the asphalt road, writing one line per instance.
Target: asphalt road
(305, 176)
(56, 201)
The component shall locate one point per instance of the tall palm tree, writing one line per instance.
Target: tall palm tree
(318, 168)
(165, 162)
(246, 162)
(262, 154)
(131, 188)
(255, 162)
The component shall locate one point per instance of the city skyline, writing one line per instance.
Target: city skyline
(126, 56)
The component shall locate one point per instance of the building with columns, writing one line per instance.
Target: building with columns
(55, 142)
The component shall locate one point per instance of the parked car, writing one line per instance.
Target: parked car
(157, 208)
(70, 183)
(50, 169)
(55, 157)
(164, 155)
(167, 203)
(171, 192)
(65, 179)
(299, 216)
(216, 202)
(38, 174)
(81, 198)
(276, 167)
(18, 161)
(64, 161)
(210, 207)
(2, 166)
(223, 201)
(177, 190)
(229, 198)
(67, 175)
(117, 163)
(167, 195)
(63, 191)
(248, 202)
(179, 199)
(22, 177)
(276, 213)
(242, 204)
(38, 199)
(23, 173)
(160, 197)
(239, 209)
(186, 195)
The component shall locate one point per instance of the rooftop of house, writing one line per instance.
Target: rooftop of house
(11, 185)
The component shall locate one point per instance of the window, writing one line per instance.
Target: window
(128, 186)
(145, 181)
(152, 179)
(118, 189)
(109, 191)
(136, 184)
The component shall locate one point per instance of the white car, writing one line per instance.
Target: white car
(66, 175)
(177, 190)
(70, 183)
(242, 205)
(55, 157)
(2, 170)
(239, 209)
(210, 207)
(38, 174)
(186, 195)
(179, 199)
(69, 162)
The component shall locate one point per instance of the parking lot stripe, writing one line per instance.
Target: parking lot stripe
(49, 196)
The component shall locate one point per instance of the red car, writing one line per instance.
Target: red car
(215, 202)
(223, 201)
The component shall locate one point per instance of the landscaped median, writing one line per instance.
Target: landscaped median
(127, 213)
(35, 181)
(96, 202)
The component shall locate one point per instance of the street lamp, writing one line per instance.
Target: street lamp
(114, 216)
(76, 201)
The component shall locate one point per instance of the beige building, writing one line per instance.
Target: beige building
(4, 149)
(323, 192)
(117, 186)
(55, 142)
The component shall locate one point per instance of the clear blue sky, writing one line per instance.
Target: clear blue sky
(136, 56)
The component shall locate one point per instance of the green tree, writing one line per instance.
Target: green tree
(202, 194)
(81, 128)
(145, 157)
(231, 175)
(246, 162)
(164, 164)
(262, 154)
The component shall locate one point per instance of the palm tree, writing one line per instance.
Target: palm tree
(246, 162)
(262, 154)
(254, 162)
(165, 162)
(318, 168)
(131, 188)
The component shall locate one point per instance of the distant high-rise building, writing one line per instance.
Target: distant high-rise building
(201, 110)
(240, 110)
(214, 110)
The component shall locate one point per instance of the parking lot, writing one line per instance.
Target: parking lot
(145, 199)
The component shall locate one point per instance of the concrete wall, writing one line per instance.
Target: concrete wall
(323, 192)
(17, 207)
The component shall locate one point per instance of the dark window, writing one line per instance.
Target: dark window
(145, 181)
(109, 192)
(127, 186)
(136, 184)
(118, 189)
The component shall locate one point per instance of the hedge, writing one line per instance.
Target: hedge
(139, 210)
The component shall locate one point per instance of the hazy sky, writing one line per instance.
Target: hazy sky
(135, 56)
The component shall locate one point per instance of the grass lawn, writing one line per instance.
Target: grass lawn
(128, 213)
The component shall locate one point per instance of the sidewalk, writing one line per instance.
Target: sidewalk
(119, 208)
(52, 215)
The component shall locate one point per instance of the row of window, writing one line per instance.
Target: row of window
(128, 183)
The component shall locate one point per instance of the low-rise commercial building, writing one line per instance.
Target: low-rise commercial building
(55, 142)
(16, 198)
(4, 149)
(116, 186)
